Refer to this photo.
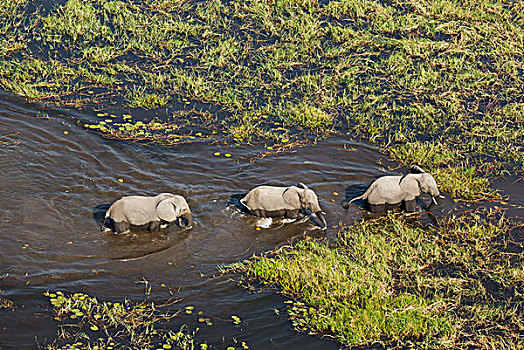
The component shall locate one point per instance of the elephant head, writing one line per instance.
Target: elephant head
(302, 197)
(417, 181)
(272, 201)
(175, 208)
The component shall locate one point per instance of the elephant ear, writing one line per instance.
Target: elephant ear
(301, 185)
(410, 186)
(291, 197)
(167, 210)
(415, 169)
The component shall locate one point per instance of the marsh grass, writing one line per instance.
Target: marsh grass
(395, 283)
(140, 99)
(12, 36)
(308, 116)
(89, 323)
(396, 74)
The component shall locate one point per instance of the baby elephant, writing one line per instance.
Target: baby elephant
(389, 192)
(148, 213)
(284, 202)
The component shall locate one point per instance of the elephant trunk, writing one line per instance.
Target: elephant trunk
(322, 219)
(185, 220)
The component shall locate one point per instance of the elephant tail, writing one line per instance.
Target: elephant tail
(244, 204)
(359, 197)
(346, 204)
(363, 196)
(108, 212)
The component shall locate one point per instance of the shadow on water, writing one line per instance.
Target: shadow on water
(234, 201)
(99, 213)
(130, 246)
(354, 191)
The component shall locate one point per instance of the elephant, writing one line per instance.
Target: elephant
(148, 213)
(283, 202)
(390, 192)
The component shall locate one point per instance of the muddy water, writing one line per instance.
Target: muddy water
(55, 185)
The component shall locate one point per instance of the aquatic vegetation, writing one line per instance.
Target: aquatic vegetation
(89, 323)
(392, 282)
(12, 38)
(154, 131)
(139, 98)
(308, 116)
(9, 139)
(6, 303)
(463, 182)
(236, 319)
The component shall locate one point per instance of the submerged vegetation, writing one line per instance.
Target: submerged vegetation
(6, 303)
(438, 83)
(88, 323)
(392, 282)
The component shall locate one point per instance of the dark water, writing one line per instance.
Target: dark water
(53, 185)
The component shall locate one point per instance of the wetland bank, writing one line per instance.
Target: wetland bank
(205, 96)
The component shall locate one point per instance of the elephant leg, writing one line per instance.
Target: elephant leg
(282, 213)
(153, 226)
(376, 208)
(291, 214)
(393, 207)
(263, 213)
(259, 213)
(120, 227)
(410, 206)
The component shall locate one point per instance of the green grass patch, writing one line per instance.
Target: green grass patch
(308, 116)
(38, 79)
(350, 301)
(393, 282)
(78, 20)
(464, 182)
(141, 99)
(100, 54)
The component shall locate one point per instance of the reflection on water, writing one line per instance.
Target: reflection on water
(56, 186)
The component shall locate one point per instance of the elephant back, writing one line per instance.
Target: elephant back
(136, 210)
(267, 198)
(384, 190)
